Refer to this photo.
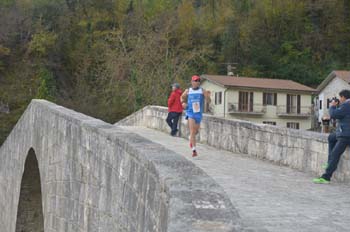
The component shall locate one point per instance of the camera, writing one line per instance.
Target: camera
(336, 100)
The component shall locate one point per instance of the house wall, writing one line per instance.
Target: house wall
(215, 109)
(232, 96)
(331, 90)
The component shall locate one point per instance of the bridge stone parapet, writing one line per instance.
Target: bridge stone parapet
(93, 176)
(298, 149)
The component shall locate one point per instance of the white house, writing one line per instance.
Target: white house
(335, 82)
(283, 103)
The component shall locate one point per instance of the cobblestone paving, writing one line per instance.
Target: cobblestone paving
(268, 197)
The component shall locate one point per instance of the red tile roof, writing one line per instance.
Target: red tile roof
(345, 75)
(261, 83)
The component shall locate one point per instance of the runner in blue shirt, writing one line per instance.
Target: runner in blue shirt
(195, 105)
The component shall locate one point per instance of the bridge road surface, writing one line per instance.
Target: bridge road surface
(268, 197)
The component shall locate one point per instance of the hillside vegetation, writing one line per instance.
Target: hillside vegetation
(108, 58)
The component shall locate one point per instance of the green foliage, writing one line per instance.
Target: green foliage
(108, 58)
(296, 40)
(4, 52)
(153, 8)
(47, 89)
(7, 3)
(17, 88)
(41, 43)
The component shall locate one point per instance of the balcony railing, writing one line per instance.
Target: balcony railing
(293, 111)
(255, 109)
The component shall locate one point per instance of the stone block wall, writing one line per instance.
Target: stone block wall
(95, 177)
(30, 212)
(298, 149)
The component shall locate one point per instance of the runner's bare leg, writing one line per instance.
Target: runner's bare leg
(194, 127)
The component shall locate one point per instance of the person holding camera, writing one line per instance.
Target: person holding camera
(342, 113)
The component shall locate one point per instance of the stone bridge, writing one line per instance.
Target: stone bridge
(64, 171)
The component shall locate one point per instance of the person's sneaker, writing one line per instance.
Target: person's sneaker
(194, 153)
(324, 166)
(173, 133)
(320, 181)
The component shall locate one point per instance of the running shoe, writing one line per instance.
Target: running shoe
(321, 181)
(194, 153)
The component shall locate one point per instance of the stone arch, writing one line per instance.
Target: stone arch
(30, 211)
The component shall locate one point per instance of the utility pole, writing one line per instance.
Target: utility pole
(230, 68)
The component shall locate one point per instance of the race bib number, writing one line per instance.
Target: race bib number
(196, 107)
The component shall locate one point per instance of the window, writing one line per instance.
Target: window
(328, 102)
(269, 123)
(218, 98)
(320, 104)
(293, 125)
(269, 99)
(293, 104)
(245, 101)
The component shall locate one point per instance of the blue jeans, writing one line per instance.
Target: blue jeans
(172, 120)
(335, 155)
(332, 140)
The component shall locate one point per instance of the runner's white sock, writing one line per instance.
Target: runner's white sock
(193, 148)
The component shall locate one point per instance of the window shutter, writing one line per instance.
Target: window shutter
(264, 99)
(288, 103)
(275, 99)
(298, 104)
(251, 101)
(240, 101)
(328, 101)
